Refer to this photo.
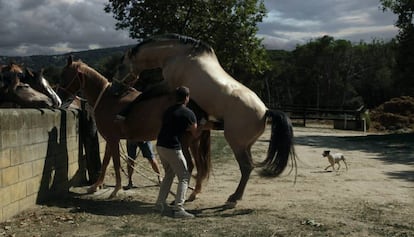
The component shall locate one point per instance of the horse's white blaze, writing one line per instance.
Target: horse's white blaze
(51, 92)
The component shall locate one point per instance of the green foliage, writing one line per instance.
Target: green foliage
(107, 65)
(404, 9)
(328, 72)
(229, 26)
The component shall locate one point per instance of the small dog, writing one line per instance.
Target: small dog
(334, 159)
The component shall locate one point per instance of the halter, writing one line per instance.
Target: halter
(82, 86)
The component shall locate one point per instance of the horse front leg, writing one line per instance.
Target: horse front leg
(246, 166)
(114, 147)
(101, 177)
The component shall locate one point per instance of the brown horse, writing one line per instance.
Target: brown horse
(142, 124)
(26, 89)
(192, 63)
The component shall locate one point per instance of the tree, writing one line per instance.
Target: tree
(405, 58)
(329, 72)
(229, 26)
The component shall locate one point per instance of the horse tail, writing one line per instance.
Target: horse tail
(203, 160)
(281, 145)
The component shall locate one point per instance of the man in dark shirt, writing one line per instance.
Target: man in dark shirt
(176, 121)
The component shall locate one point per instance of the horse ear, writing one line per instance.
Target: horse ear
(70, 60)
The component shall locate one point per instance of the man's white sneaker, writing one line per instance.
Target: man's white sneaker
(183, 214)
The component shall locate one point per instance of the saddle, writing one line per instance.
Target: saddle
(119, 89)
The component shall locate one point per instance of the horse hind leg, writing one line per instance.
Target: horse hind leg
(114, 148)
(245, 162)
(200, 148)
(186, 143)
(198, 179)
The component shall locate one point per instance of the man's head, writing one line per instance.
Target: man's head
(181, 94)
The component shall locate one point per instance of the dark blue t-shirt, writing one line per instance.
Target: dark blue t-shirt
(175, 122)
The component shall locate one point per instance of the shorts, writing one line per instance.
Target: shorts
(144, 146)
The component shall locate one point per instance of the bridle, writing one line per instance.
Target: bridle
(81, 79)
(81, 84)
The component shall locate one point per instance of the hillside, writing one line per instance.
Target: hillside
(91, 57)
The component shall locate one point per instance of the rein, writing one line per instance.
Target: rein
(100, 96)
(82, 86)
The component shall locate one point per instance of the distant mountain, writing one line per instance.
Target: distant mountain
(91, 57)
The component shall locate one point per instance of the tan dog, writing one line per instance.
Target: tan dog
(334, 159)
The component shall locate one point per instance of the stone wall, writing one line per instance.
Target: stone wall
(38, 157)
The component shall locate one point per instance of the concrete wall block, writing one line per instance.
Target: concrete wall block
(25, 171)
(5, 158)
(10, 210)
(23, 136)
(9, 138)
(27, 202)
(17, 156)
(38, 135)
(73, 156)
(37, 167)
(18, 191)
(8, 120)
(39, 151)
(5, 197)
(10, 175)
(33, 185)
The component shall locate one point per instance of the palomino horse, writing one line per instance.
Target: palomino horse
(26, 88)
(142, 124)
(192, 63)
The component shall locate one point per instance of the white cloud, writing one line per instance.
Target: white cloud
(296, 21)
(58, 26)
(53, 26)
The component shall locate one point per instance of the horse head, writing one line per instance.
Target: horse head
(70, 82)
(12, 74)
(125, 71)
(14, 77)
(37, 81)
(77, 77)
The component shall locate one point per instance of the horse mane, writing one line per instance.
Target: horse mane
(197, 45)
(90, 71)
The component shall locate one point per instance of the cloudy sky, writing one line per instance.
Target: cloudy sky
(33, 27)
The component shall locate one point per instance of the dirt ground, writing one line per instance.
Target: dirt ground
(374, 197)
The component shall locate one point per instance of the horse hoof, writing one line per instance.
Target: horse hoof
(230, 205)
(91, 189)
(113, 194)
(192, 198)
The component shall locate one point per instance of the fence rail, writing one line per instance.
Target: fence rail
(341, 115)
